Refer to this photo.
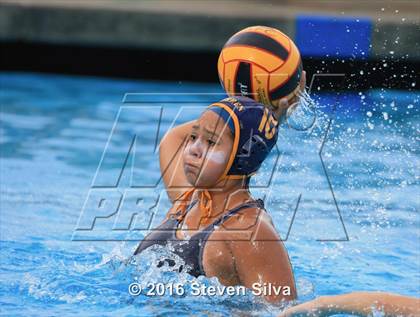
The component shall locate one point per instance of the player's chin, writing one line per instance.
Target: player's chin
(204, 181)
(191, 177)
(194, 179)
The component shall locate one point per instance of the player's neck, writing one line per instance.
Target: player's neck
(228, 196)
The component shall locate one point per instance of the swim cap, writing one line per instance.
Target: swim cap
(254, 130)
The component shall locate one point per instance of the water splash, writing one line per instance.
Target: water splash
(302, 116)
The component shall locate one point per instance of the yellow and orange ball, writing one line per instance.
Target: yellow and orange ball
(261, 63)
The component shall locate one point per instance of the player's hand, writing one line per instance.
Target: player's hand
(283, 104)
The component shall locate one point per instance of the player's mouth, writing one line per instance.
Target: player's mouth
(190, 168)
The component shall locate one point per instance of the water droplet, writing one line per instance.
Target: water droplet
(369, 114)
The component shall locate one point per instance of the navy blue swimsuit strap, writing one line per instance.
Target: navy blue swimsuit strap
(188, 207)
(203, 234)
(258, 203)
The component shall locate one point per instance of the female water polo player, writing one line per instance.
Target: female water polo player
(215, 225)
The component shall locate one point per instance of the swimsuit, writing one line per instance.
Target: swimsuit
(191, 250)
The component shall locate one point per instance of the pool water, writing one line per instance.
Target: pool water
(343, 194)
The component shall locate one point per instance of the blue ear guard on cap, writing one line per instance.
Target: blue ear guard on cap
(254, 130)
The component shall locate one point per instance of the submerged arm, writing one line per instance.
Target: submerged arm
(360, 303)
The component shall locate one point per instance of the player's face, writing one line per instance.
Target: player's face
(207, 150)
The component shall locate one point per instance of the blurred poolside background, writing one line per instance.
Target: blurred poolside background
(180, 40)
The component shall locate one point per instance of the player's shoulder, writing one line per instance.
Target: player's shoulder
(249, 222)
(249, 216)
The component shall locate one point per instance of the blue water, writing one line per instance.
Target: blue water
(356, 226)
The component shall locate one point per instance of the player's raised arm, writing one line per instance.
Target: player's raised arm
(170, 158)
